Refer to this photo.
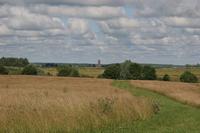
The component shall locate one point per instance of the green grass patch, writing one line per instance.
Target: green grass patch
(173, 117)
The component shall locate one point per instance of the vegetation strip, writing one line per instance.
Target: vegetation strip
(173, 116)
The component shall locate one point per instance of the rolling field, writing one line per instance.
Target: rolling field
(51, 104)
(176, 72)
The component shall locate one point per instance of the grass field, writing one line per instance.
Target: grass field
(86, 105)
(173, 117)
(51, 104)
(176, 72)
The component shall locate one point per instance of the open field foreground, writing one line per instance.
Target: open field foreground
(183, 92)
(51, 104)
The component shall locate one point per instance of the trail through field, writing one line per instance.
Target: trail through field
(184, 92)
(173, 117)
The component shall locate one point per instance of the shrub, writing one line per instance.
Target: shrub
(112, 72)
(68, 71)
(188, 77)
(106, 105)
(166, 77)
(100, 76)
(29, 70)
(148, 73)
(75, 73)
(3, 70)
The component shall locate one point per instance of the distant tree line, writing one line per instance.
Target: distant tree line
(129, 70)
(124, 71)
(15, 62)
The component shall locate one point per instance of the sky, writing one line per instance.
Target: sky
(83, 31)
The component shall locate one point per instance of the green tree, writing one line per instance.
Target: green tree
(17, 62)
(148, 73)
(135, 71)
(29, 70)
(112, 72)
(166, 77)
(3, 70)
(125, 70)
(188, 77)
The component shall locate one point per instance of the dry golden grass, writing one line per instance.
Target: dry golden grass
(43, 104)
(184, 92)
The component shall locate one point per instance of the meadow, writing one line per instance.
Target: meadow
(52, 104)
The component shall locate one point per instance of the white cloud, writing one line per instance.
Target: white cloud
(103, 12)
(182, 22)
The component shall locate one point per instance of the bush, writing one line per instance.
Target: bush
(75, 73)
(3, 70)
(112, 72)
(166, 77)
(188, 77)
(148, 73)
(29, 70)
(68, 71)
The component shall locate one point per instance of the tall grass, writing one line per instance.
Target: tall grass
(50, 104)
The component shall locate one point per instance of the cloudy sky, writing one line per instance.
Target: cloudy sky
(83, 31)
